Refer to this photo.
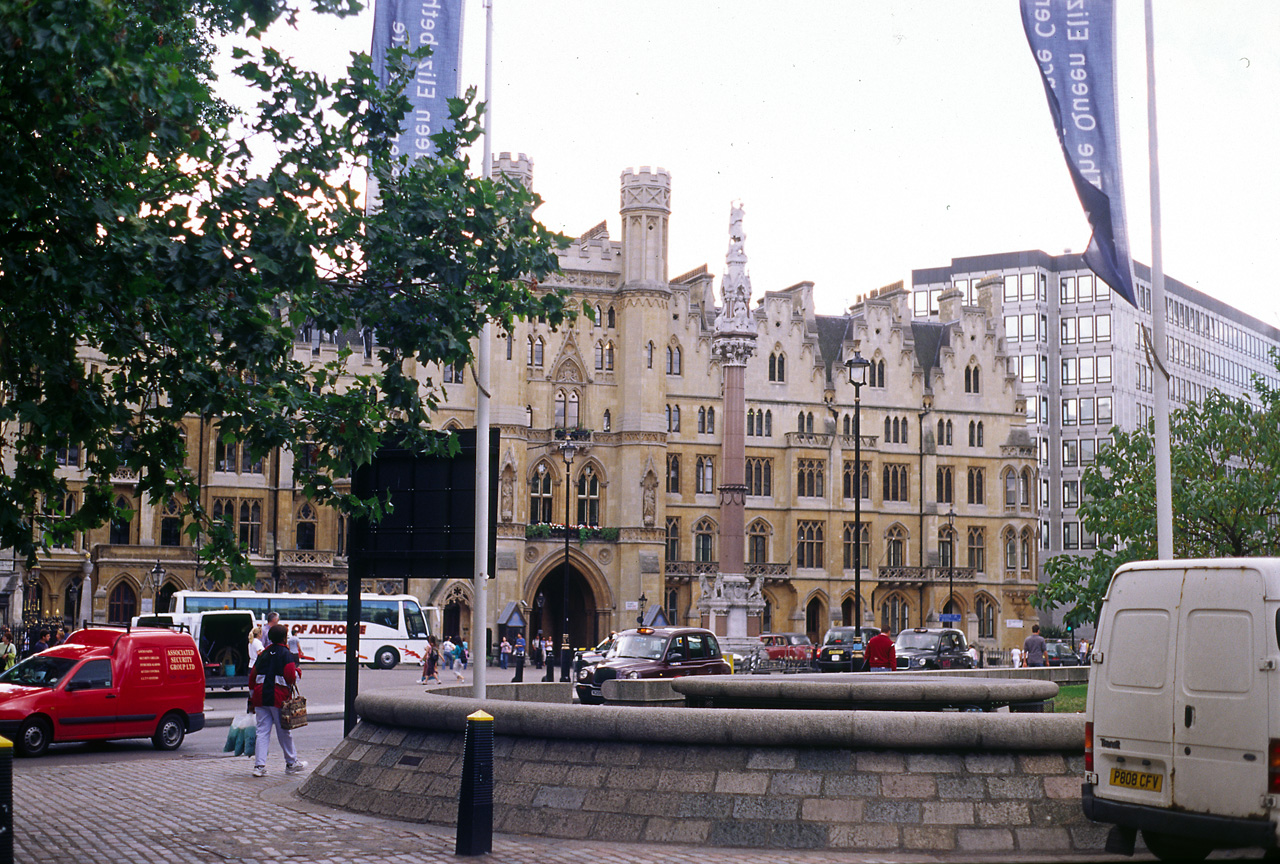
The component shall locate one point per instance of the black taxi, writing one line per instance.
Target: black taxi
(928, 648)
(652, 652)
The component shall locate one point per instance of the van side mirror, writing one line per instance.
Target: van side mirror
(675, 657)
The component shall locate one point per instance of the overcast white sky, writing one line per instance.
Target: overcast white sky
(870, 138)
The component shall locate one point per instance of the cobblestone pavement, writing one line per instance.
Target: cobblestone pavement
(208, 809)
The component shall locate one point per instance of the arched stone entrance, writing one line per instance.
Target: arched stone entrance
(590, 610)
(815, 619)
(456, 612)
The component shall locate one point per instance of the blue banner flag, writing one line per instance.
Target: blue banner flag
(411, 24)
(1073, 42)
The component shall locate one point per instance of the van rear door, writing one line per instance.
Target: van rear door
(1131, 687)
(1220, 716)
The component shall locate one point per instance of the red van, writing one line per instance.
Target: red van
(105, 682)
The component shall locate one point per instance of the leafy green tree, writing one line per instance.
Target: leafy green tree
(149, 272)
(1225, 490)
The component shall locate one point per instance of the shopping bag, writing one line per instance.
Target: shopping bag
(243, 735)
(293, 713)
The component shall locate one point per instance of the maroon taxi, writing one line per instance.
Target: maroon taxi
(653, 652)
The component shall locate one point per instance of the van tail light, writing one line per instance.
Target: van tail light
(1273, 767)
(1088, 749)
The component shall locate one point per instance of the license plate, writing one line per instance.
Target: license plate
(1136, 780)
(837, 653)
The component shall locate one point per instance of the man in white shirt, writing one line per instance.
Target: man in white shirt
(446, 651)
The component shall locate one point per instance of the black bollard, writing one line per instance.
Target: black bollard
(550, 660)
(566, 663)
(475, 799)
(519, 679)
(6, 801)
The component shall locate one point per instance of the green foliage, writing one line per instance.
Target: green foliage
(1225, 490)
(149, 272)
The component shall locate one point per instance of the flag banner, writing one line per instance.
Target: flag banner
(1073, 42)
(411, 24)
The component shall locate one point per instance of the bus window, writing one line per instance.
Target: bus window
(333, 610)
(417, 626)
(256, 605)
(294, 610)
(196, 603)
(383, 612)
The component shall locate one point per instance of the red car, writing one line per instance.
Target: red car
(793, 647)
(653, 652)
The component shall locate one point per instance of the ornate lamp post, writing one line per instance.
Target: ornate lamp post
(857, 366)
(154, 581)
(568, 450)
(951, 559)
(31, 602)
(547, 659)
(643, 601)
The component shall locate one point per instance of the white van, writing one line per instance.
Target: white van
(223, 639)
(1182, 725)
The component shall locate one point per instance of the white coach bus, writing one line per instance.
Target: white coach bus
(393, 627)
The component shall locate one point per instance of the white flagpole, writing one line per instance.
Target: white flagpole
(480, 610)
(1164, 488)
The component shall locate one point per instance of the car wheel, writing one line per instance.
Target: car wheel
(1169, 847)
(170, 733)
(34, 737)
(386, 658)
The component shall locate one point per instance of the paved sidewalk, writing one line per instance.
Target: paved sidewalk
(208, 809)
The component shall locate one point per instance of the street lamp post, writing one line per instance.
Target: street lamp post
(857, 366)
(155, 582)
(547, 660)
(951, 560)
(568, 450)
(643, 601)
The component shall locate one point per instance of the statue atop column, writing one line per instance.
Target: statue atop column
(735, 309)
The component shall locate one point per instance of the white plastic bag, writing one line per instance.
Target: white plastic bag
(243, 736)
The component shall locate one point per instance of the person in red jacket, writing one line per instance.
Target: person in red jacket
(270, 683)
(881, 656)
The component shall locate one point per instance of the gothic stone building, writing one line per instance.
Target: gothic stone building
(636, 388)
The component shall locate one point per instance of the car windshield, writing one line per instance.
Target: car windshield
(841, 637)
(641, 645)
(1058, 648)
(925, 641)
(38, 671)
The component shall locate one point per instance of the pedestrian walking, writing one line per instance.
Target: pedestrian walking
(1034, 648)
(1015, 657)
(271, 680)
(255, 645)
(537, 650)
(464, 654)
(431, 663)
(292, 643)
(881, 653)
(504, 653)
(42, 643)
(448, 652)
(8, 652)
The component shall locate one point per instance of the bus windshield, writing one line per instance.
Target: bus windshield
(414, 623)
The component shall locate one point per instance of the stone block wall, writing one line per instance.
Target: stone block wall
(724, 794)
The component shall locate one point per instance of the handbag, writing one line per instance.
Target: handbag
(293, 713)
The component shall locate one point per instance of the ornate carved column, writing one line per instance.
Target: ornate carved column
(734, 598)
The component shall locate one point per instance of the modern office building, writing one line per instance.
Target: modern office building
(1078, 356)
